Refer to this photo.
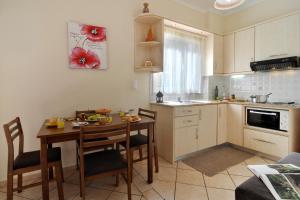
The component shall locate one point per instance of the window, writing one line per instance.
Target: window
(184, 58)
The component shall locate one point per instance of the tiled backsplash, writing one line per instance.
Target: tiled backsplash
(284, 85)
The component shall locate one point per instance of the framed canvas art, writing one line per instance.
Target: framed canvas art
(87, 46)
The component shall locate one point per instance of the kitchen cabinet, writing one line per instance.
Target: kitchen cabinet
(186, 140)
(207, 127)
(275, 145)
(228, 53)
(214, 55)
(243, 50)
(218, 54)
(222, 124)
(277, 38)
(235, 123)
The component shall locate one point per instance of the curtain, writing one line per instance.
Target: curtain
(184, 58)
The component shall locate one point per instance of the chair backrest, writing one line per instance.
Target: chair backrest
(13, 130)
(86, 112)
(147, 113)
(97, 136)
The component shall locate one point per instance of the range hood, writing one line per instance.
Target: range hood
(276, 64)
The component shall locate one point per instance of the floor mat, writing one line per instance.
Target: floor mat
(217, 159)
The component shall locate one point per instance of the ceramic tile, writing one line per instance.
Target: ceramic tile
(34, 192)
(190, 192)
(255, 161)
(152, 195)
(219, 181)
(107, 183)
(240, 169)
(182, 165)
(123, 188)
(217, 194)
(190, 177)
(122, 196)
(238, 179)
(165, 189)
(70, 191)
(95, 194)
(142, 184)
(3, 197)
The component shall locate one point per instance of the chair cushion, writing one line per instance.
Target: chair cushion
(136, 140)
(103, 161)
(254, 188)
(32, 158)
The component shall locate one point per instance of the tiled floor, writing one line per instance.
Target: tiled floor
(174, 182)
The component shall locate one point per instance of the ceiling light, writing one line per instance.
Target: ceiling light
(227, 4)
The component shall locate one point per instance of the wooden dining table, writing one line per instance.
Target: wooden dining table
(49, 136)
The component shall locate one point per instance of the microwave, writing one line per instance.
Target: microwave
(268, 118)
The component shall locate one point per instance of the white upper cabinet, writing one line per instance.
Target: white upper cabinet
(228, 53)
(214, 53)
(244, 50)
(218, 54)
(278, 38)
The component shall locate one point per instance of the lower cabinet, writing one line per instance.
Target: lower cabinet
(186, 140)
(235, 123)
(222, 124)
(275, 145)
(207, 126)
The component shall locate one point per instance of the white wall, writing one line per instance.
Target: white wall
(264, 10)
(35, 81)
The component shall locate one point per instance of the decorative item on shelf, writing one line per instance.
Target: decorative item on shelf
(159, 97)
(150, 36)
(146, 8)
(148, 63)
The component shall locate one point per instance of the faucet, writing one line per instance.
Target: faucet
(179, 99)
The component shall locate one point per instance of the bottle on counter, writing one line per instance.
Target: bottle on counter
(216, 93)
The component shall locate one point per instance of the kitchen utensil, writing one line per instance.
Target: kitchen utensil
(253, 99)
(262, 98)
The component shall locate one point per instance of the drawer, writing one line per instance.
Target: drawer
(186, 121)
(268, 143)
(184, 111)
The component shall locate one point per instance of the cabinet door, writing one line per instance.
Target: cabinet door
(235, 117)
(222, 124)
(278, 38)
(228, 53)
(218, 54)
(244, 50)
(185, 140)
(207, 129)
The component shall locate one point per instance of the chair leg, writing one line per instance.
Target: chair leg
(59, 181)
(82, 189)
(20, 182)
(62, 172)
(131, 166)
(77, 156)
(117, 180)
(156, 158)
(10, 185)
(129, 181)
(141, 153)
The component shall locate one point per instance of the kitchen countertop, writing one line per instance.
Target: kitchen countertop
(212, 102)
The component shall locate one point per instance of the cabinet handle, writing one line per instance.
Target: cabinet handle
(196, 134)
(274, 55)
(189, 111)
(220, 112)
(188, 121)
(260, 140)
(200, 114)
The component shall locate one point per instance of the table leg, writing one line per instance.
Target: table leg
(44, 169)
(51, 168)
(150, 153)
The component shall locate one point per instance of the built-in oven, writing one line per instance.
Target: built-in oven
(268, 118)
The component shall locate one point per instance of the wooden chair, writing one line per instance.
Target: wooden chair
(87, 113)
(108, 162)
(139, 141)
(26, 162)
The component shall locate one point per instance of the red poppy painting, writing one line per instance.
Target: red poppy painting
(87, 46)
